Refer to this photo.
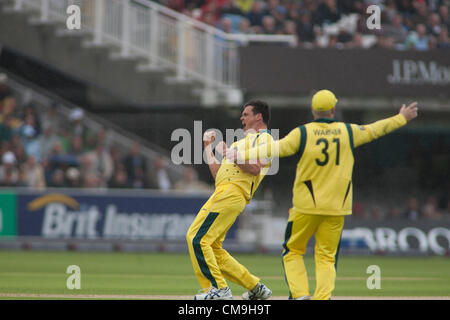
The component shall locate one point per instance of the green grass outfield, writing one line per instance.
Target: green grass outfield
(130, 274)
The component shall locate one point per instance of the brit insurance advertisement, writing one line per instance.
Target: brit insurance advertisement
(97, 215)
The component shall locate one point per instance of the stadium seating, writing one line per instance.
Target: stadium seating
(49, 142)
(328, 18)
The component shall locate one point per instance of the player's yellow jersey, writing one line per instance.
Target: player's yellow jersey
(230, 172)
(323, 179)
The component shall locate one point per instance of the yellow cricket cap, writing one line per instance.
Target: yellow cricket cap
(324, 100)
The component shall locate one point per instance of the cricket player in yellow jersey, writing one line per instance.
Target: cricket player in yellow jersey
(235, 185)
(322, 192)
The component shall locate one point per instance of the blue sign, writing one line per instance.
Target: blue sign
(149, 216)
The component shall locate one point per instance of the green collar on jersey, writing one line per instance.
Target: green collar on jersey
(265, 130)
(326, 120)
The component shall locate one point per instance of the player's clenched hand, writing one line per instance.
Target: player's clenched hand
(209, 137)
(409, 112)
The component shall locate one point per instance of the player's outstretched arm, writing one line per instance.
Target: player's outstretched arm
(367, 133)
(285, 147)
(250, 166)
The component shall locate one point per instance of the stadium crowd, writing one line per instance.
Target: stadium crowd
(404, 24)
(47, 149)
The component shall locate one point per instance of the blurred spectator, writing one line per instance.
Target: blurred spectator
(328, 12)
(76, 125)
(5, 147)
(293, 11)
(76, 146)
(31, 117)
(33, 174)
(210, 12)
(100, 164)
(92, 181)
(344, 37)
(444, 200)
(290, 28)
(85, 168)
(57, 179)
(418, 40)
(245, 5)
(226, 25)
(119, 178)
(116, 157)
(29, 123)
(159, 175)
(30, 142)
(268, 25)
(412, 211)
(5, 129)
(358, 210)
(444, 16)
(446, 211)
(193, 8)
(443, 41)
(430, 209)
(135, 166)
(394, 213)
(73, 177)
(5, 92)
(22, 180)
(333, 42)
(58, 158)
(351, 6)
(177, 5)
(194, 3)
(256, 14)
(434, 25)
(389, 11)
(385, 42)
(395, 30)
(9, 174)
(421, 14)
(244, 26)
(8, 111)
(209, 18)
(190, 182)
(433, 5)
(376, 213)
(276, 11)
(356, 42)
(103, 136)
(305, 29)
(46, 142)
(406, 7)
(230, 7)
(18, 149)
(51, 118)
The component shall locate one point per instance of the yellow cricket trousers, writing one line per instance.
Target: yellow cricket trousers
(213, 264)
(327, 231)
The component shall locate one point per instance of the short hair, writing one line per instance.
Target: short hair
(261, 107)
